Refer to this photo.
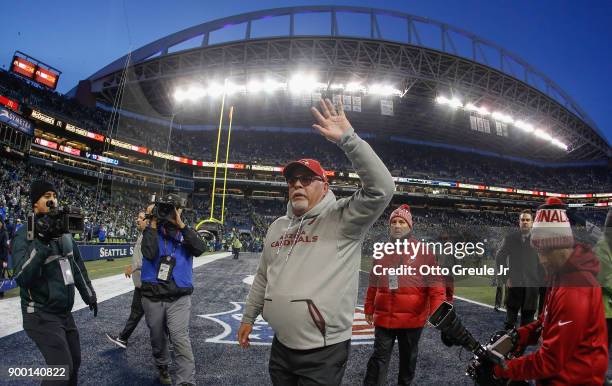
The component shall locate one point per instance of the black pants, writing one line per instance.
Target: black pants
(541, 299)
(521, 299)
(57, 338)
(512, 317)
(384, 338)
(136, 313)
(319, 366)
(499, 296)
(609, 325)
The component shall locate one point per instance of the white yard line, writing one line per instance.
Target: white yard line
(105, 287)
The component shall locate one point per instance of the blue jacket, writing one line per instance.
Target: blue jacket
(183, 245)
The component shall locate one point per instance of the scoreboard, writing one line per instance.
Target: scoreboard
(35, 70)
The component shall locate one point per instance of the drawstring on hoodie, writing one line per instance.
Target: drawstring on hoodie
(293, 242)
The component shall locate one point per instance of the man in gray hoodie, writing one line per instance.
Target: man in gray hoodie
(307, 280)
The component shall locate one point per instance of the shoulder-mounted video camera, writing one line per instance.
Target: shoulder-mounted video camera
(501, 347)
(165, 206)
(56, 222)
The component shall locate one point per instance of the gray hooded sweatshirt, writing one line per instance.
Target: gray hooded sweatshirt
(137, 262)
(307, 280)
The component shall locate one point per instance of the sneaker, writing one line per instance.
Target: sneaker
(116, 340)
(164, 375)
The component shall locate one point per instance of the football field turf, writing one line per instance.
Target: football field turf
(220, 288)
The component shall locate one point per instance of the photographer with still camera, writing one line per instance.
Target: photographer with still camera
(48, 266)
(168, 248)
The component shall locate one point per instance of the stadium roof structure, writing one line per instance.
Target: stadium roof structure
(424, 59)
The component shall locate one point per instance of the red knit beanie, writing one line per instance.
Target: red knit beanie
(551, 227)
(404, 212)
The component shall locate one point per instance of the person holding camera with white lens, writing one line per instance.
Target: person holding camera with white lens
(48, 266)
(168, 249)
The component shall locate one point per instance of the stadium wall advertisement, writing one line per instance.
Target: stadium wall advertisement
(52, 121)
(105, 251)
(16, 121)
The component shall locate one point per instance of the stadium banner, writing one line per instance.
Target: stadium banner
(10, 103)
(16, 121)
(386, 107)
(101, 158)
(46, 77)
(105, 251)
(23, 67)
(42, 117)
(84, 133)
(357, 103)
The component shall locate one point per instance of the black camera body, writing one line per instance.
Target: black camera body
(500, 348)
(56, 222)
(165, 206)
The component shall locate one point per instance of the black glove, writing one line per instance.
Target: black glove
(43, 228)
(93, 304)
(447, 340)
(484, 375)
(94, 307)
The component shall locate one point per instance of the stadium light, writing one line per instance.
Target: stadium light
(542, 134)
(383, 89)
(355, 87)
(524, 126)
(179, 95)
(479, 110)
(502, 117)
(271, 86)
(231, 88)
(442, 100)
(559, 144)
(255, 86)
(195, 93)
(215, 89)
(454, 102)
(499, 116)
(302, 83)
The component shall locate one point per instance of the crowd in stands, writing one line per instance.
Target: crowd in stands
(109, 215)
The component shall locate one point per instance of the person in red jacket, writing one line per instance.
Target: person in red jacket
(572, 327)
(399, 305)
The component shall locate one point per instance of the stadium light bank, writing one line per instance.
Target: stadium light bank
(299, 83)
(456, 103)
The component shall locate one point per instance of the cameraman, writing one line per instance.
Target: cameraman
(572, 327)
(47, 269)
(168, 248)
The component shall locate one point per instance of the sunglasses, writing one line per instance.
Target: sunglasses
(304, 180)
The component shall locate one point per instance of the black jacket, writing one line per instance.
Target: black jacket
(3, 246)
(38, 274)
(525, 270)
(150, 250)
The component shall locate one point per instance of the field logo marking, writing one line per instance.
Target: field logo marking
(263, 334)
